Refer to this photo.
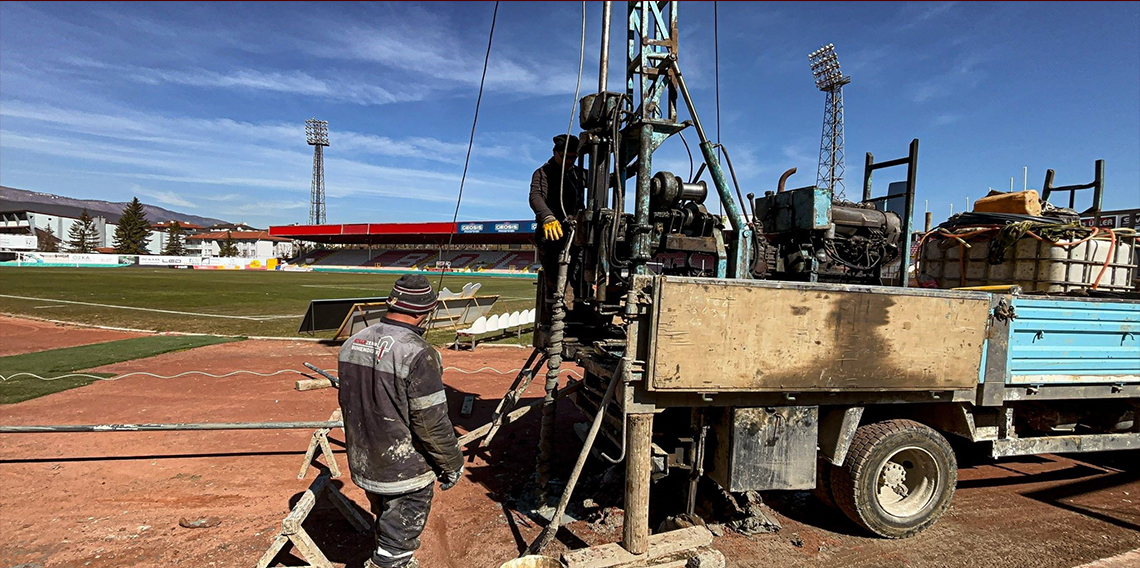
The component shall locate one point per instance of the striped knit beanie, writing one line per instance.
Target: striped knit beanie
(412, 294)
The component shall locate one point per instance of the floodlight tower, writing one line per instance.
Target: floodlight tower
(830, 80)
(317, 134)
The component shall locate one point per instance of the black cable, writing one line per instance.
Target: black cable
(471, 140)
(716, 75)
(573, 108)
(690, 153)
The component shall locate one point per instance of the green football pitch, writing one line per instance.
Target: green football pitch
(249, 303)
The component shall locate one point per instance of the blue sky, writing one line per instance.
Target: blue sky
(200, 107)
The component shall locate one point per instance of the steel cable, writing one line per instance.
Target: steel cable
(470, 140)
(716, 80)
(573, 111)
(240, 372)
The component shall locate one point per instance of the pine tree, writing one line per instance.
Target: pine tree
(83, 237)
(229, 247)
(174, 240)
(46, 241)
(133, 231)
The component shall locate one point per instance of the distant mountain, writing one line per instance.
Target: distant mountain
(12, 199)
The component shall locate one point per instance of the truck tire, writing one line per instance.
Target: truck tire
(822, 490)
(898, 478)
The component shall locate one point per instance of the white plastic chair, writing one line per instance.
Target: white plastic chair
(466, 291)
(513, 320)
(445, 293)
(475, 288)
(477, 327)
(493, 324)
(529, 316)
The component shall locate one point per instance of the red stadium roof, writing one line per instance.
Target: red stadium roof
(464, 232)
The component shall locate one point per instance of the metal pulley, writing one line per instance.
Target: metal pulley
(667, 191)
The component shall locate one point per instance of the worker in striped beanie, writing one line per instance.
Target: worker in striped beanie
(412, 295)
(398, 435)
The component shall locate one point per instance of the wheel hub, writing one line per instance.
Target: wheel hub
(893, 477)
(907, 482)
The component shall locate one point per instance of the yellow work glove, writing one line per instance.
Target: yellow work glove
(552, 230)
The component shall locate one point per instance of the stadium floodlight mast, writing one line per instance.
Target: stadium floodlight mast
(830, 79)
(317, 135)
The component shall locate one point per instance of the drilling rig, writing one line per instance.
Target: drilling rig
(614, 330)
(777, 364)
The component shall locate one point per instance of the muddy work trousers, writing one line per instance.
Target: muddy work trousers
(400, 520)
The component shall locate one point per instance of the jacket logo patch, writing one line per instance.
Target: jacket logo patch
(383, 346)
(377, 346)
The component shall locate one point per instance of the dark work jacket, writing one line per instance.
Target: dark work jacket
(397, 432)
(544, 192)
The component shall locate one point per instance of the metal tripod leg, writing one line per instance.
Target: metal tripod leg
(511, 399)
(320, 441)
(551, 529)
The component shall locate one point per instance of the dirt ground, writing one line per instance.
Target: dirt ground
(115, 499)
(19, 335)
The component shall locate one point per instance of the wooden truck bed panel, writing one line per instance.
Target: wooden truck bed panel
(723, 335)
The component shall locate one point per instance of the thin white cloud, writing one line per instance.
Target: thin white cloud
(164, 197)
(928, 12)
(291, 82)
(260, 208)
(965, 73)
(253, 157)
(424, 45)
(947, 118)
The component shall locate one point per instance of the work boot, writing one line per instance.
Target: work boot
(413, 563)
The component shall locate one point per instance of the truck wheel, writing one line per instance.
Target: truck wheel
(822, 490)
(898, 478)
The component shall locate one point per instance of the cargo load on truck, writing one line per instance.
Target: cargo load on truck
(1020, 239)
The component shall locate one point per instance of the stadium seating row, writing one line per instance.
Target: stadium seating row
(424, 259)
(496, 325)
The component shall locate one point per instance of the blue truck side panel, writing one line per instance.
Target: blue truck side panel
(1074, 341)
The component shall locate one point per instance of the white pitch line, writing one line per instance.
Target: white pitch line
(340, 286)
(42, 307)
(175, 312)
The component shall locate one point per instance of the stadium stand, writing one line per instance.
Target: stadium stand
(414, 259)
(474, 260)
(386, 258)
(314, 257)
(348, 257)
(504, 246)
(462, 259)
(514, 261)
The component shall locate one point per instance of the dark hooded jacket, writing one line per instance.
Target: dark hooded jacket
(544, 192)
(397, 432)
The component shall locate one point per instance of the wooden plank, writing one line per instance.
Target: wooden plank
(309, 550)
(662, 544)
(326, 451)
(312, 384)
(292, 523)
(349, 510)
(310, 453)
(751, 336)
(1125, 560)
(271, 553)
